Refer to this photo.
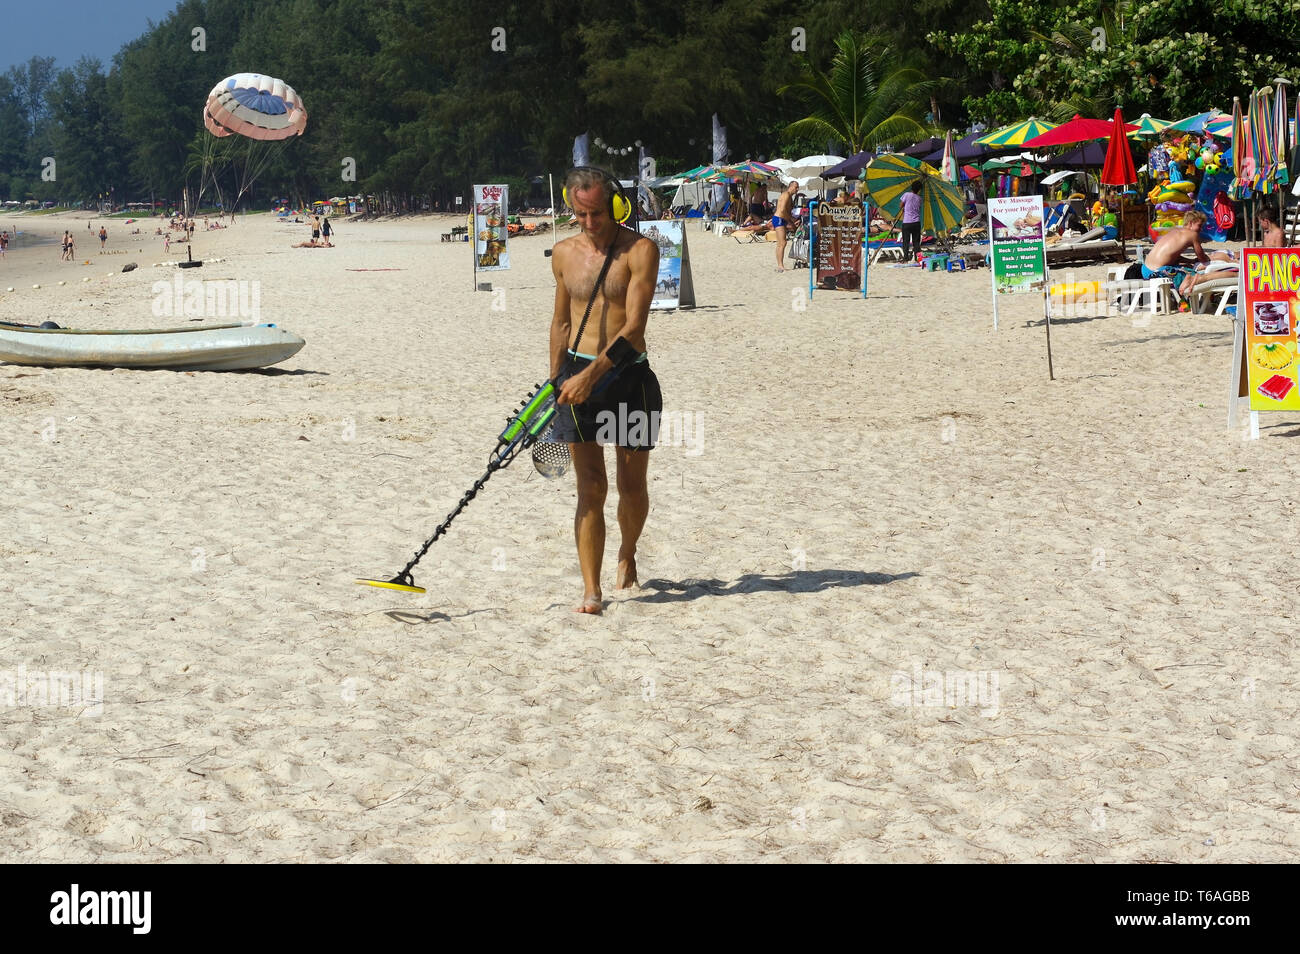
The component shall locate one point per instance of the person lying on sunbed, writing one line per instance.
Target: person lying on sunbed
(1273, 238)
(755, 225)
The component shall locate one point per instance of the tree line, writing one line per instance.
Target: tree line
(418, 98)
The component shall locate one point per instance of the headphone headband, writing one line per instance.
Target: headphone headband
(620, 208)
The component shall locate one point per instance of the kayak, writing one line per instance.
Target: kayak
(215, 348)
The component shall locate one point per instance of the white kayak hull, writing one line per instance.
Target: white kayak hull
(221, 348)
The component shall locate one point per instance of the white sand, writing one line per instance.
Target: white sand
(1123, 563)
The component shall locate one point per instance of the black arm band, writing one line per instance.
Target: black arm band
(620, 353)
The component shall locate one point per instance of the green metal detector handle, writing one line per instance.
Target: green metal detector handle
(539, 400)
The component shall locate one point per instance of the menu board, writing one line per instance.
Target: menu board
(488, 231)
(839, 246)
(673, 287)
(1269, 311)
(1016, 235)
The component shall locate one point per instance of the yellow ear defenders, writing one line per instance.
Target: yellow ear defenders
(620, 209)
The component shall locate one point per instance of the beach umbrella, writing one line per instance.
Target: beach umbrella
(1262, 135)
(1282, 137)
(964, 149)
(754, 169)
(1117, 168)
(948, 162)
(812, 166)
(1018, 164)
(1220, 126)
(851, 167)
(1146, 126)
(1077, 129)
(1196, 123)
(1015, 134)
(1238, 148)
(923, 148)
(1088, 154)
(890, 175)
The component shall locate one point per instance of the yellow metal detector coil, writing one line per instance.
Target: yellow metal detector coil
(390, 585)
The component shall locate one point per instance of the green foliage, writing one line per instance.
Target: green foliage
(426, 96)
(865, 100)
(1170, 58)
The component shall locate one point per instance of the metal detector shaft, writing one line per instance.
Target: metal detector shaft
(524, 429)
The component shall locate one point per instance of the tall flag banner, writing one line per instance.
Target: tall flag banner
(491, 203)
(582, 150)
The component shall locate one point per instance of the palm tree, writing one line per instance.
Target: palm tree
(865, 100)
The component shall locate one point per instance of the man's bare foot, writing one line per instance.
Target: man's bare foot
(591, 605)
(625, 577)
(779, 270)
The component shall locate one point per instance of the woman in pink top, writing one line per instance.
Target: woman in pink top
(911, 209)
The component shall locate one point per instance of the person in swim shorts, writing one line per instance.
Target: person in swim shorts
(626, 414)
(1163, 261)
(782, 219)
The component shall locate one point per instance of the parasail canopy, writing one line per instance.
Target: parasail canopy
(256, 106)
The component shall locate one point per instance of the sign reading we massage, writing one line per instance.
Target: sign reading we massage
(1016, 238)
(1268, 311)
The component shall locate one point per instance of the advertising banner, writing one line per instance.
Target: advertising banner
(488, 231)
(1016, 239)
(673, 287)
(1268, 311)
(839, 246)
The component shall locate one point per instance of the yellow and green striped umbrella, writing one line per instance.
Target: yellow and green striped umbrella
(887, 177)
(1017, 134)
(1148, 126)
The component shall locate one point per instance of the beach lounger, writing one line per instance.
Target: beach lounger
(1155, 295)
(1069, 253)
(1214, 297)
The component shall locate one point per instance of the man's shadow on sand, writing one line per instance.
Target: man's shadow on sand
(798, 581)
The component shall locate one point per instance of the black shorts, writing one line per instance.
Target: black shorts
(625, 414)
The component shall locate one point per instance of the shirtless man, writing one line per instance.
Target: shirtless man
(782, 219)
(1273, 238)
(1161, 261)
(631, 405)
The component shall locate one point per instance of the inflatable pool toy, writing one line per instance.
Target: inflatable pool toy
(1076, 291)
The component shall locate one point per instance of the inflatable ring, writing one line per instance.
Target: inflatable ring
(1183, 185)
(1175, 206)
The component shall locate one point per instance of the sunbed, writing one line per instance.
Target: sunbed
(1204, 294)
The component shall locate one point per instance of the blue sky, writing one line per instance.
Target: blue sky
(70, 29)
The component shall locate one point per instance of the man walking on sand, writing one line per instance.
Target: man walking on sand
(618, 308)
(782, 219)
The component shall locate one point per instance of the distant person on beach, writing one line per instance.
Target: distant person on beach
(1162, 261)
(581, 356)
(4, 243)
(782, 219)
(309, 244)
(910, 208)
(315, 227)
(326, 231)
(103, 237)
(68, 246)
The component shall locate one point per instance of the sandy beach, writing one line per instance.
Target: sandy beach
(874, 498)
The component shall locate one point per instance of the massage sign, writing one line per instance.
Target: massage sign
(839, 246)
(491, 203)
(1264, 358)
